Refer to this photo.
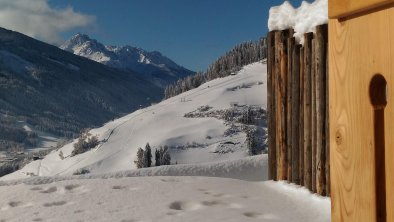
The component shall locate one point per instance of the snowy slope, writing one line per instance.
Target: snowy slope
(153, 65)
(210, 187)
(165, 124)
(161, 199)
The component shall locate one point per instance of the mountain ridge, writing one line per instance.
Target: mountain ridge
(58, 92)
(156, 67)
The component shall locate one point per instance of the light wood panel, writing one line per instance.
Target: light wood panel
(359, 48)
(343, 8)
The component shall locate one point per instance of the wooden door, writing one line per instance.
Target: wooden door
(361, 48)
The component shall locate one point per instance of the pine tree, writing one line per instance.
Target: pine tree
(251, 143)
(140, 158)
(147, 156)
(157, 157)
(165, 156)
(232, 61)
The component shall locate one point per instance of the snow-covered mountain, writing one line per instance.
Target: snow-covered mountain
(158, 68)
(47, 89)
(202, 125)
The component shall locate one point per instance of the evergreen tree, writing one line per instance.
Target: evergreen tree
(147, 156)
(157, 157)
(165, 156)
(139, 162)
(251, 143)
(232, 61)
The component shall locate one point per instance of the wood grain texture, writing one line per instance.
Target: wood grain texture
(343, 8)
(271, 105)
(295, 115)
(313, 116)
(301, 139)
(308, 110)
(289, 105)
(359, 48)
(320, 63)
(327, 128)
(280, 80)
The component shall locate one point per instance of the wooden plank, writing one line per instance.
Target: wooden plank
(359, 49)
(320, 70)
(271, 105)
(278, 36)
(313, 115)
(308, 110)
(281, 77)
(289, 95)
(301, 129)
(327, 128)
(295, 113)
(343, 8)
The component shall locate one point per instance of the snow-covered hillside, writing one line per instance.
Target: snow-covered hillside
(153, 65)
(205, 185)
(191, 140)
(151, 199)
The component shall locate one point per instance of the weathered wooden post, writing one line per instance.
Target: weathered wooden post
(271, 106)
(314, 138)
(327, 129)
(295, 113)
(289, 141)
(308, 110)
(280, 96)
(301, 127)
(361, 80)
(320, 72)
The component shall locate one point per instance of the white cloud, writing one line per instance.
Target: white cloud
(37, 19)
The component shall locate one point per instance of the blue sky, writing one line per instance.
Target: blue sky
(191, 32)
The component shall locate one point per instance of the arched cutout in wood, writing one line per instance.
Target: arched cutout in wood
(378, 96)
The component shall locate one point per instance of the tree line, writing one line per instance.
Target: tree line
(144, 157)
(241, 55)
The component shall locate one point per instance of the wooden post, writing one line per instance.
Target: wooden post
(271, 106)
(327, 127)
(308, 110)
(281, 77)
(301, 127)
(295, 113)
(314, 129)
(289, 141)
(320, 71)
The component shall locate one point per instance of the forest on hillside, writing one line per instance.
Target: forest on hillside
(241, 55)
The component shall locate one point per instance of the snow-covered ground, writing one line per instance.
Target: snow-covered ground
(161, 199)
(165, 124)
(137, 196)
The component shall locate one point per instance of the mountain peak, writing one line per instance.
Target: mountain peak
(160, 69)
(81, 37)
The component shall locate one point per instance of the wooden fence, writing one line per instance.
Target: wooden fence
(298, 130)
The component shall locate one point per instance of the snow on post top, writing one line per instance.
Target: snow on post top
(303, 19)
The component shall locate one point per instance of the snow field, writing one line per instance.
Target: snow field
(161, 199)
